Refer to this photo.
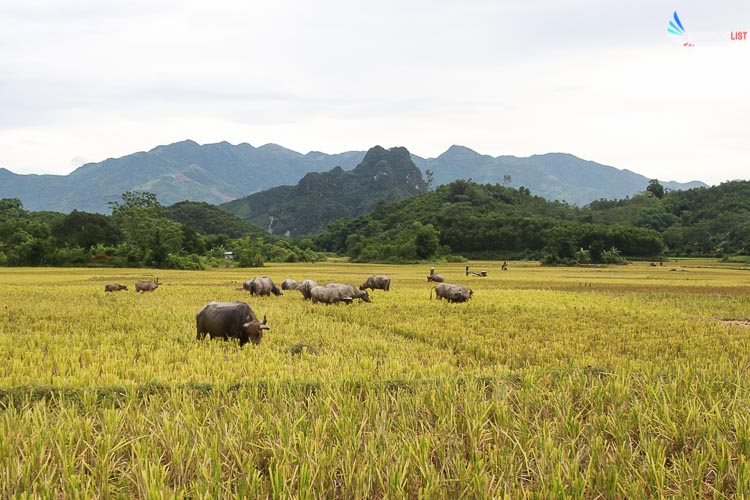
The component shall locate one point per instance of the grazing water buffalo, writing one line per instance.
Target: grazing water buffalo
(261, 286)
(329, 295)
(114, 287)
(380, 282)
(436, 278)
(289, 284)
(305, 287)
(146, 286)
(230, 320)
(350, 291)
(452, 293)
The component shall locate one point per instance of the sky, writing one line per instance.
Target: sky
(85, 80)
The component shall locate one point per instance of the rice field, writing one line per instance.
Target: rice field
(623, 381)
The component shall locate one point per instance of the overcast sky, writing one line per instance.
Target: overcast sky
(85, 80)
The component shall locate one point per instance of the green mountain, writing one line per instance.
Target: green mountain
(320, 198)
(711, 221)
(556, 176)
(217, 173)
(494, 221)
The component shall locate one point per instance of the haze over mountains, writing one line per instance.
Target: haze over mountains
(221, 172)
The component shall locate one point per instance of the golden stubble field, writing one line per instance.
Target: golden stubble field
(623, 381)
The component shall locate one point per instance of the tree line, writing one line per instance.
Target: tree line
(140, 232)
(455, 221)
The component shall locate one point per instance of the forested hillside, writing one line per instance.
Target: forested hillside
(499, 222)
(704, 221)
(320, 198)
(461, 219)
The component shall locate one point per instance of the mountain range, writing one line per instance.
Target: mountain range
(221, 172)
(555, 176)
(321, 198)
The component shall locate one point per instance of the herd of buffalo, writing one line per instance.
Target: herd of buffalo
(236, 320)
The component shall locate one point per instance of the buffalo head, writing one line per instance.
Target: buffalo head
(254, 330)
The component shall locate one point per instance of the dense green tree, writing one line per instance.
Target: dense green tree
(136, 200)
(249, 252)
(25, 240)
(426, 241)
(655, 188)
(86, 230)
(192, 241)
(141, 219)
(656, 218)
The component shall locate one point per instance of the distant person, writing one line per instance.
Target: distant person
(467, 270)
(505, 266)
(432, 271)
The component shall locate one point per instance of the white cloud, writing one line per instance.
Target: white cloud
(91, 79)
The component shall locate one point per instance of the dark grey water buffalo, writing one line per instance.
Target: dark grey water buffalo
(305, 287)
(289, 284)
(329, 295)
(261, 286)
(230, 320)
(380, 282)
(350, 291)
(114, 287)
(146, 286)
(452, 293)
(436, 278)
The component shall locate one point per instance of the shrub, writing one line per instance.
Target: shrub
(455, 258)
(612, 256)
(65, 256)
(185, 262)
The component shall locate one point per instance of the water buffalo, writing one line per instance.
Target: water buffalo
(230, 320)
(329, 295)
(261, 286)
(436, 278)
(289, 284)
(305, 287)
(146, 286)
(452, 293)
(114, 287)
(380, 282)
(350, 291)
